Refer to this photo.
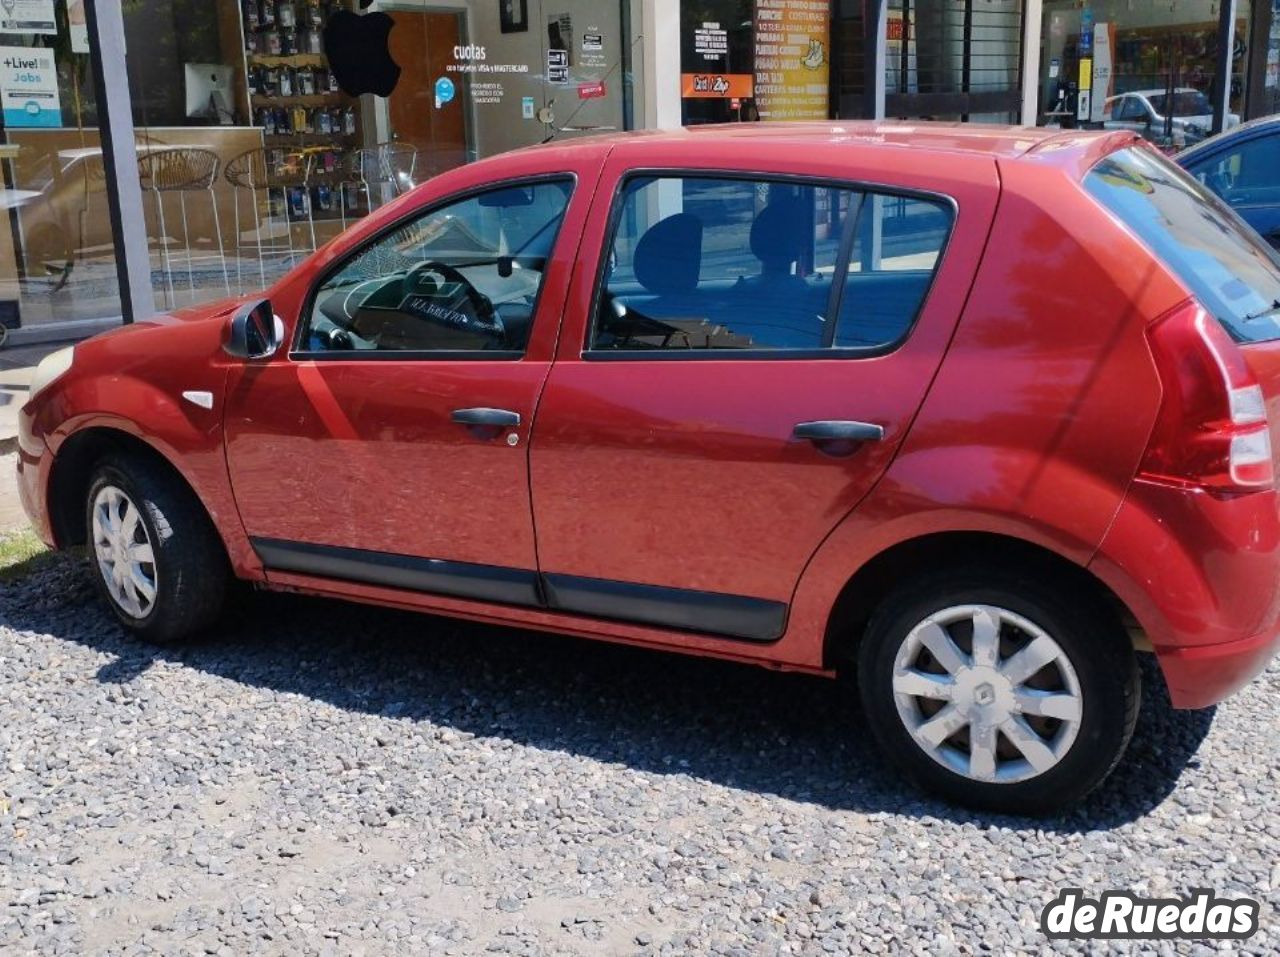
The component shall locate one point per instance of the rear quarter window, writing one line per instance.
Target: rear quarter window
(1228, 267)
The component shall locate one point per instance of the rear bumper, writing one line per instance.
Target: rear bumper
(1202, 576)
(1200, 676)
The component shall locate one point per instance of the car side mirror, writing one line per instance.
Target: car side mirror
(254, 331)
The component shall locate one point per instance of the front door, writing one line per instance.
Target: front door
(751, 364)
(390, 446)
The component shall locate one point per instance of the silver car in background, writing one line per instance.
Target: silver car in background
(1148, 113)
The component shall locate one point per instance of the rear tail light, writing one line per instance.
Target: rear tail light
(1212, 430)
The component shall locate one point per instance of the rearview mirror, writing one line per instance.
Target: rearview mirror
(254, 331)
(510, 198)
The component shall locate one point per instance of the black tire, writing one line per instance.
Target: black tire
(191, 571)
(1092, 641)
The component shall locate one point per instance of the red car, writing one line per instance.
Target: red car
(976, 412)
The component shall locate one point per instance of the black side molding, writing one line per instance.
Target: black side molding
(507, 586)
(733, 616)
(683, 609)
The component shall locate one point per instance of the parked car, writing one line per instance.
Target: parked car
(976, 413)
(1241, 166)
(1183, 117)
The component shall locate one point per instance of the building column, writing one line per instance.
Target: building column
(1255, 80)
(1032, 24)
(105, 22)
(875, 45)
(1226, 40)
(660, 27)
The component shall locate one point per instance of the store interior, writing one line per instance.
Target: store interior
(258, 140)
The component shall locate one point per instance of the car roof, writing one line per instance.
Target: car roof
(997, 141)
(1160, 92)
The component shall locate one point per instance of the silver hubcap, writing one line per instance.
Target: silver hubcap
(987, 694)
(123, 548)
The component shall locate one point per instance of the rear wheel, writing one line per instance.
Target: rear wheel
(159, 563)
(1011, 696)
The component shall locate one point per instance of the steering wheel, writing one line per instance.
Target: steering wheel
(482, 310)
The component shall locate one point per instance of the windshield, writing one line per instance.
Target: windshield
(1185, 103)
(1226, 265)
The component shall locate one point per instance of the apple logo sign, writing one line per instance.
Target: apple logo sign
(356, 46)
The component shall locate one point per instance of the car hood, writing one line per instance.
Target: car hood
(213, 312)
(217, 309)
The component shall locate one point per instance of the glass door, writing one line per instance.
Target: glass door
(480, 78)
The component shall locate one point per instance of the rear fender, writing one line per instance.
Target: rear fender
(937, 492)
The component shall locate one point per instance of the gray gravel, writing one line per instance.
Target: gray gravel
(324, 778)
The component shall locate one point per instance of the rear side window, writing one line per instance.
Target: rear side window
(699, 264)
(1225, 264)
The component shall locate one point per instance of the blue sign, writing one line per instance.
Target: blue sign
(444, 91)
(29, 87)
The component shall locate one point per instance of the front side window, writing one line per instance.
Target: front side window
(1184, 103)
(463, 277)
(704, 264)
(1244, 174)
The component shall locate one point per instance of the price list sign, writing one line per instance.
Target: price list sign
(792, 39)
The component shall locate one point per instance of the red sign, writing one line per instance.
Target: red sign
(591, 91)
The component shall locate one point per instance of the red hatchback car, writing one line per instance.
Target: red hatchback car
(976, 412)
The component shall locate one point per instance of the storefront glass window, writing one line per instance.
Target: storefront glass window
(755, 60)
(1144, 65)
(57, 260)
(266, 127)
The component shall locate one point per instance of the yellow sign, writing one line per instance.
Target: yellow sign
(1085, 79)
(793, 38)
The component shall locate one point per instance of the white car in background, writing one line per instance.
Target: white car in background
(1147, 113)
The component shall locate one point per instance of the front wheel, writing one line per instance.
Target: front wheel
(159, 562)
(1012, 697)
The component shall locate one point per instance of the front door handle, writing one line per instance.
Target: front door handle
(838, 430)
(493, 418)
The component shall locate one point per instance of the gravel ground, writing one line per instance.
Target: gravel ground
(323, 778)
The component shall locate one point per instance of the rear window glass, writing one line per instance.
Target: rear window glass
(1224, 263)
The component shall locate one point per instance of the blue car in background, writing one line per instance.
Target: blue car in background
(1242, 166)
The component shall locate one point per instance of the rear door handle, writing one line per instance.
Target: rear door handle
(838, 430)
(494, 418)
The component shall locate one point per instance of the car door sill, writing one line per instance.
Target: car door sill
(680, 609)
(495, 583)
(684, 609)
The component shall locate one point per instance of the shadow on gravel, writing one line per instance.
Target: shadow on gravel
(792, 736)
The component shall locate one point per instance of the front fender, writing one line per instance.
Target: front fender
(187, 436)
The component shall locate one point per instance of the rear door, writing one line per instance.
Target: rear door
(740, 359)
